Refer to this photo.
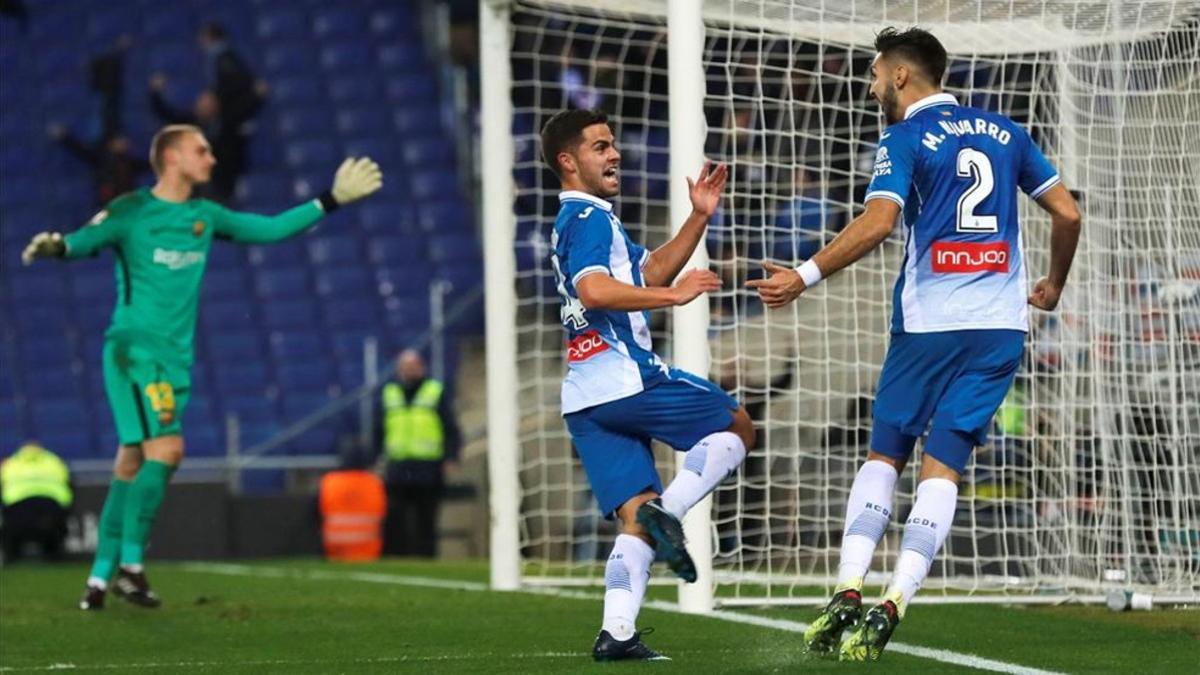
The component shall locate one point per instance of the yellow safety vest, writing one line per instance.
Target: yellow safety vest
(34, 471)
(413, 431)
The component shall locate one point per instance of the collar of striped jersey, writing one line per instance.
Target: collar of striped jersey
(576, 194)
(935, 99)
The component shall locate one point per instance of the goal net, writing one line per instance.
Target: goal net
(1091, 479)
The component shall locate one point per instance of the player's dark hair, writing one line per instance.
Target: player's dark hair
(565, 130)
(213, 31)
(165, 138)
(918, 47)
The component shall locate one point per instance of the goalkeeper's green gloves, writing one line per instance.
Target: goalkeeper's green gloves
(44, 245)
(355, 179)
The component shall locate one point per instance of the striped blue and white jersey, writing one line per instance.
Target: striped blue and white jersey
(609, 353)
(955, 172)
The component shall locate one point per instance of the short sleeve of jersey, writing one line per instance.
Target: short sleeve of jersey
(1037, 174)
(587, 244)
(894, 163)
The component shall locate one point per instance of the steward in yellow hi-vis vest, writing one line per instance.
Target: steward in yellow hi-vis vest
(35, 489)
(418, 436)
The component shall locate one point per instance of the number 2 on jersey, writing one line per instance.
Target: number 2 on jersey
(974, 164)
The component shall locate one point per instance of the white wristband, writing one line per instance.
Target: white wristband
(810, 273)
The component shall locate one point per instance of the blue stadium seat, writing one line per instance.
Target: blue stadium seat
(291, 347)
(407, 313)
(264, 187)
(339, 23)
(286, 253)
(312, 377)
(344, 282)
(416, 122)
(304, 122)
(290, 59)
(343, 314)
(382, 149)
(235, 346)
(298, 405)
(453, 249)
(248, 379)
(282, 283)
(93, 287)
(407, 279)
(282, 24)
(47, 350)
(58, 412)
(250, 409)
(175, 24)
(393, 22)
(173, 58)
(199, 413)
(428, 153)
(67, 441)
(225, 255)
(395, 249)
(284, 315)
(354, 90)
(28, 289)
(363, 121)
(445, 216)
(348, 346)
(263, 481)
(312, 153)
(400, 57)
(415, 89)
(35, 321)
(205, 440)
(224, 284)
(346, 57)
(335, 251)
(434, 185)
(228, 315)
(319, 440)
(390, 218)
(296, 91)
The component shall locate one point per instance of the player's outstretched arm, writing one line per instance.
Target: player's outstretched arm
(104, 229)
(600, 291)
(666, 261)
(354, 180)
(859, 238)
(1065, 224)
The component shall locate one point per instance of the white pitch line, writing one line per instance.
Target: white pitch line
(942, 655)
(287, 662)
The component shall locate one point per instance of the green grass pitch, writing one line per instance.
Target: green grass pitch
(312, 617)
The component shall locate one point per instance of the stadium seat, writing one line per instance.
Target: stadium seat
(390, 218)
(339, 23)
(296, 91)
(395, 250)
(304, 122)
(444, 216)
(391, 23)
(224, 284)
(282, 24)
(319, 440)
(312, 153)
(283, 315)
(382, 149)
(172, 24)
(450, 249)
(227, 314)
(344, 282)
(360, 314)
(410, 89)
(400, 57)
(416, 122)
(334, 251)
(346, 57)
(282, 283)
(427, 154)
(310, 377)
(66, 441)
(286, 253)
(289, 59)
(205, 440)
(406, 279)
(354, 90)
(364, 121)
(434, 185)
(348, 346)
(235, 346)
(248, 378)
(225, 255)
(290, 347)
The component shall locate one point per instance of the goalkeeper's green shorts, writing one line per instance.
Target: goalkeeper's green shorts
(146, 391)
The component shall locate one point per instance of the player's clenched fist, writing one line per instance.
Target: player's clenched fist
(44, 245)
(693, 283)
(355, 179)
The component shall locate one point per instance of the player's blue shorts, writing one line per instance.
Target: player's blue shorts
(951, 383)
(613, 439)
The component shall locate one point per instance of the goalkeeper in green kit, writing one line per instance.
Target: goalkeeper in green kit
(161, 238)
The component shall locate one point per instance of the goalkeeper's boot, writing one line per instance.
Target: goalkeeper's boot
(93, 599)
(825, 632)
(867, 641)
(608, 648)
(135, 589)
(668, 535)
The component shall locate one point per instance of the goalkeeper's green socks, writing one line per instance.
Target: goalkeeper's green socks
(141, 508)
(108, 548)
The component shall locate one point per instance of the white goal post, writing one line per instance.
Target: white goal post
(1091, 481)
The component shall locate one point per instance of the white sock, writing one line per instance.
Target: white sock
(625, 579)
(97, 582)
(705, 466)
(924, 533)
(135, 568)
(868, 512)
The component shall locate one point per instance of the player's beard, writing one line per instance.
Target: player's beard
(600, 187)
(890, 103)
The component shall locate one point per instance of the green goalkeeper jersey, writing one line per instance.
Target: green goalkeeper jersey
(161, 249)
